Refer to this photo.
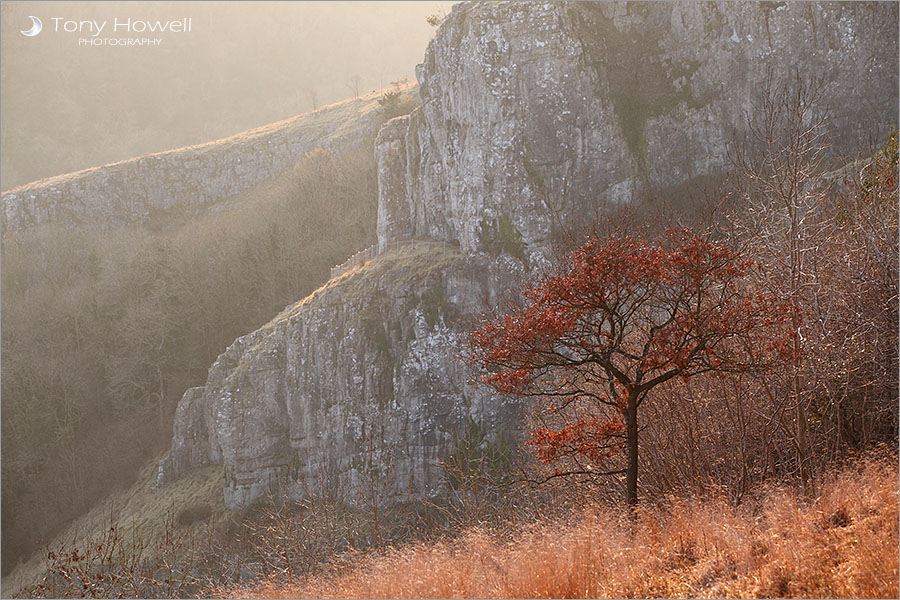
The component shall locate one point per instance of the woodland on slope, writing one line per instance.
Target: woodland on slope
(103, 333)
(726, 463)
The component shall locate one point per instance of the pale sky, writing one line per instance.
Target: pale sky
(68, 102)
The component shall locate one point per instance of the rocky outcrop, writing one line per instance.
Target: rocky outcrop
(191, 444)
(547, 112)
(533, 116)
(361, 380)
(184, 181)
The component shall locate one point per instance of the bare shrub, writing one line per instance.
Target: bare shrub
(394, 103)
(290, 539)
(828, 242)
(123, 564)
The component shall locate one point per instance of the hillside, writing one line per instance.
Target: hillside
(143, 512)
(107, 321)
(485, 164)
(841, 544)
(362, 404)
(350, 309)
(179, 184)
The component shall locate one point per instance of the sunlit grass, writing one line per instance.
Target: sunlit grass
(840, 542)
(405, 261)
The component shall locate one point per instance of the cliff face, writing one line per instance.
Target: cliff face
(545, 112)
(533, 116)
(183, 181)
(362, 379)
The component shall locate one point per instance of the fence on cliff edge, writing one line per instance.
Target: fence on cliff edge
(367, 254)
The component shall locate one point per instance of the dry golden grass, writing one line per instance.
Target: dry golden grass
(840, 542)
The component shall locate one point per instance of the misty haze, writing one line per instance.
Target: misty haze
(243, 64)
(423, 299)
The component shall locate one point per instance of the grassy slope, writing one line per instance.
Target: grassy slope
(142, 506)
(141, 503)
(840, 542)
(145, 506)
(404, 263)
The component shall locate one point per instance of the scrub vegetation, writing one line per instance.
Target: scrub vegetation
(839, 543)
(774, 482)
(762, 331)
(103, 331)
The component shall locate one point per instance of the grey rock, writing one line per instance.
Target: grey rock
(190, 448)
(541, 113)
(360, 383)
(394, 206)
(548, 112)
(186, 181)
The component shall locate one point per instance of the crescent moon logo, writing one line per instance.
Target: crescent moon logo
(36, 26)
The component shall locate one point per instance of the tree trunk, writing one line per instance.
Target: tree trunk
(796, 258)
(631, 445)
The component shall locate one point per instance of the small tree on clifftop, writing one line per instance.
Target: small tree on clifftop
(618, 318)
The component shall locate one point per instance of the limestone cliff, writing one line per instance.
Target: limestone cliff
(361, 378)
(181, 182)
(544, 112)
(533, 115)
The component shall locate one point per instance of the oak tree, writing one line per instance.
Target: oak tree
(616, 318)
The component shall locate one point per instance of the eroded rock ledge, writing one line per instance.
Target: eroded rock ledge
(183, 182)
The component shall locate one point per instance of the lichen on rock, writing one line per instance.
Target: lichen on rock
(548, 112)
